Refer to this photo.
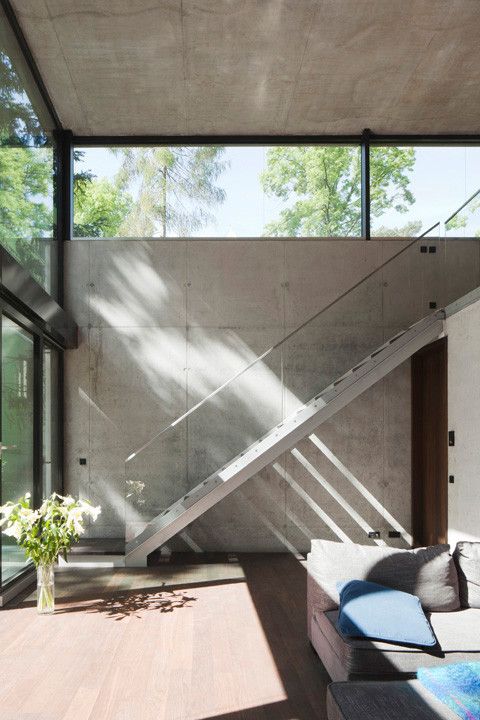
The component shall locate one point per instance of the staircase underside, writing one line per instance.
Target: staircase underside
(283, 437)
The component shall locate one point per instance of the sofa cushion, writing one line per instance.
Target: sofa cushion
(458, 635)
(371, 610)
(429, 573)
(377, 700)
(467, 560)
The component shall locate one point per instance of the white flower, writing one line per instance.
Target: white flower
(13, 530)
(88, 509)
(95, 512)
(29, 516)
(77, 526)
(6, 511)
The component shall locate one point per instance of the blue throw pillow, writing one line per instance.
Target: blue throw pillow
(369, 610)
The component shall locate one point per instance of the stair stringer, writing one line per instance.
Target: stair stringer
(283, 437)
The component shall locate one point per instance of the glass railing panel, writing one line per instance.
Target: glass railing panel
(331, 343)
(465, 222)
(235, 418)
(155, 478)
(462, 249)
(403, 280)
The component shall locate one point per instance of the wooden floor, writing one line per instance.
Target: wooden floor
(175, 642)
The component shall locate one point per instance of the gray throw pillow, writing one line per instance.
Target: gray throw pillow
(429, 573)
(467, 560)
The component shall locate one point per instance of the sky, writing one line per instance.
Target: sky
(442, 179)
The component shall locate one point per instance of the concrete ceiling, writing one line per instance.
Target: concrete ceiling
(117, 67)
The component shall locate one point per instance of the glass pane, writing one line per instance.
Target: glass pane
(17, 429)
(412, 188)
(26, 166)
(50, 470)
(216, 191)
(465, 223)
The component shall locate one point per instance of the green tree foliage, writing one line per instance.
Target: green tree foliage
(320, 187)
(18, 120)
(100, 207)
(464, 217)
(175, 188)
(25, 204)
(410, 229)
(26, 174)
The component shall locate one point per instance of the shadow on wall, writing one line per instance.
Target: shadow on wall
(144, 373)
(309, 493)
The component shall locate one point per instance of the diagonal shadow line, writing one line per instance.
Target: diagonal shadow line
(281, 710)
(278, 592)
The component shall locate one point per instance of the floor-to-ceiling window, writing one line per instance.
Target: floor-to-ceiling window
(31, 347)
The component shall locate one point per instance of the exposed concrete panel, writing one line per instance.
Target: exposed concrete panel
(137, 284)
(464, 417)
(316, 273)
(319, 355)
(224, 286)
(258, 66)
(77, 281)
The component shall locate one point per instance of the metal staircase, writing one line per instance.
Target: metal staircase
(283, 437)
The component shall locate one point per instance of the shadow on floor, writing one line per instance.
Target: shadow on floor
(281, 710)
(122, 604)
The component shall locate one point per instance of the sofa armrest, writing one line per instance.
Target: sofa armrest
(317, 597)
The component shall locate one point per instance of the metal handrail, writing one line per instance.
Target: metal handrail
(467, 202)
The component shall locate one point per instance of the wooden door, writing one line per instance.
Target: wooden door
(429, 444)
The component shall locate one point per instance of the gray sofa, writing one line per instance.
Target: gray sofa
(448, 587)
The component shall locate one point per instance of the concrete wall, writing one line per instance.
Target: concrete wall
(464, 417)
(164, 323)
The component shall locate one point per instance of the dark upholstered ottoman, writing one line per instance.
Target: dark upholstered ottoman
(384, 700)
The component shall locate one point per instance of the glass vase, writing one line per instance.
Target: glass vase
(45, 589)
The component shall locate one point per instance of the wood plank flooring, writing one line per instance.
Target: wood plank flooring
(211, 641)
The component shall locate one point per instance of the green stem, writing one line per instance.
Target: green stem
(45, 590)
